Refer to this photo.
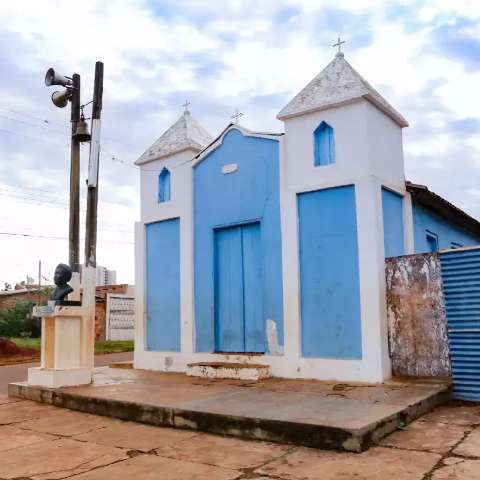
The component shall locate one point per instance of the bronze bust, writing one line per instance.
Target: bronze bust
(63, 274)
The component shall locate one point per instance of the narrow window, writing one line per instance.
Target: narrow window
(164, 186)
(324, 145)
(456, 245)
(432, 241)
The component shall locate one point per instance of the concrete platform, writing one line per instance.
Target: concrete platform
(327, 415)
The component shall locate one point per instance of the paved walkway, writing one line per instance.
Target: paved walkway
(41, 442)
(352, 416)
(18, 373)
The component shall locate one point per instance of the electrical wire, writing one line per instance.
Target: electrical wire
(28, 235)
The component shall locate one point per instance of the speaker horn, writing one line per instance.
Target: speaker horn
(60, 99)
(52, 78)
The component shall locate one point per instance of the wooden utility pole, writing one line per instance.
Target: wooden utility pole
(92, 195)
(74, 222)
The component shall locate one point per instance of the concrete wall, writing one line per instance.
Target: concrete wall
(416, 316)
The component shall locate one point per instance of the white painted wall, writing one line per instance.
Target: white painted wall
(179, 205)
(385, 149)
(351, 150)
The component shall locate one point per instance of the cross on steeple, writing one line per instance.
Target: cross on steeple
(186, 105)
(236, 116)
(339, 45)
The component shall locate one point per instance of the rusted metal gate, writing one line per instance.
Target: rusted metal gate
(461, 285)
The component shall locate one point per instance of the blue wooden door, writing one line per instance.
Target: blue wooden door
(163, 285)
(239, 325)
(329, 275)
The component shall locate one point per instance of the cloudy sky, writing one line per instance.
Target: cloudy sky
(423, 56)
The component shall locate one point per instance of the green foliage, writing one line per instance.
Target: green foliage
(17, 321)
(109, 346)
(114, 346)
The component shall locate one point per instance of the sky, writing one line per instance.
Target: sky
(422, 56)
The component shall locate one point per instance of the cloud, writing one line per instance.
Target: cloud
(422, 55)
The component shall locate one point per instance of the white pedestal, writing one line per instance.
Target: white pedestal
(51, 378)
(67, 348)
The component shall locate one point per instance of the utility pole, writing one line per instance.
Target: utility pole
(74, 221)
(92, 182)
(60, 100)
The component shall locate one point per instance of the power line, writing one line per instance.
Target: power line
(41, 127)
(29, 235)
(33, 137)
(23, 114)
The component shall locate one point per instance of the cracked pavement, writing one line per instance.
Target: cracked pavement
(42, 442)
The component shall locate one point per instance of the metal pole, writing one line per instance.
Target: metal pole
(92, 195)
(74, 223)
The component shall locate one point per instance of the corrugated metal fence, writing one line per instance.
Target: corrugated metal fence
(461, 285)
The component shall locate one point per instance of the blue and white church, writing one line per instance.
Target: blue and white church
(270, 248)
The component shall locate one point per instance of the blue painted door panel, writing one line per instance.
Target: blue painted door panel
(229, 290)
(461, 288)
(253, 288)
(238, 289)
(329, 278)
(163, 285)
(392, 205)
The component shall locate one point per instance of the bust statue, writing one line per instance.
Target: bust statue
(63, 274)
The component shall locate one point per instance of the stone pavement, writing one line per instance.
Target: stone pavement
(42, 442)
(19, 372)
(352, 416)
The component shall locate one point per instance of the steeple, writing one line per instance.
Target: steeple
(185, 134)
(337, 84)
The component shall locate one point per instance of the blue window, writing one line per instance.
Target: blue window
(324, 145)
(432, 241)
(164, 186)
(456, 245)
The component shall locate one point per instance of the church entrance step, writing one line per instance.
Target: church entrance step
(235, 371)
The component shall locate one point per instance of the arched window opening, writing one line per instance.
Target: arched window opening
(164, 186)
(324, 145)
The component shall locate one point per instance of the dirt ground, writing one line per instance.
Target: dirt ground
(41, 442)
(11, 353)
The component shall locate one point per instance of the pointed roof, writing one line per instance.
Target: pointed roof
(185, 134)
(338, 83)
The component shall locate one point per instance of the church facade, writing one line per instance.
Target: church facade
(270, 248)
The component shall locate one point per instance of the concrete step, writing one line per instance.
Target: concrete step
(235, 371)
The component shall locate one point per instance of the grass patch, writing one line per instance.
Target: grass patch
(109, 346)
(113, 346)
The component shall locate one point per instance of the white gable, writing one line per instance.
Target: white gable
(185, 134)
(338, 83)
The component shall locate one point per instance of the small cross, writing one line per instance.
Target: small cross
(186, 105)
(236, 116)
(339, 44)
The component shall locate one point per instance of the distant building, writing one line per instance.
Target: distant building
(104, 276)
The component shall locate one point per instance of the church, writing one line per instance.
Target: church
(269, 248)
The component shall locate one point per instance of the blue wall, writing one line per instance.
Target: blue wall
(247, 195)
(392, 205)
(446, 231)
(329, 278)
(163, 285)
